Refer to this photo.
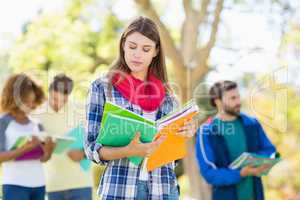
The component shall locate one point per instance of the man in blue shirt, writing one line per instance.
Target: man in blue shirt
(223, 139)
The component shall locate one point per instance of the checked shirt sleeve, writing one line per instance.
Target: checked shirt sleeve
(94, 111)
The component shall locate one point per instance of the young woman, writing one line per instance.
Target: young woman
(22, 170)
(137, 82)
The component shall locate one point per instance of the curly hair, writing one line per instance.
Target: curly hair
(15, 91)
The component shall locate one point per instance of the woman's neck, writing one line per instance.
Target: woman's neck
(140, 75)
(20, 118)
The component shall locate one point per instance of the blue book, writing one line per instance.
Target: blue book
(78, 134)
(62, 143)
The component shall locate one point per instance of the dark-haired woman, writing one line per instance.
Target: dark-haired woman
(22, 170)
(138, 82)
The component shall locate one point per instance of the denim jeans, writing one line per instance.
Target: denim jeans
(143, 191)
(72, 194)
(15, 192)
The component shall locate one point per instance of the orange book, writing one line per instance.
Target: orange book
(174, 147)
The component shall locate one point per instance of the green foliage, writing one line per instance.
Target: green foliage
(65, 42)
(292, 38)
(203, 100)
(283, 180)
(4, 69)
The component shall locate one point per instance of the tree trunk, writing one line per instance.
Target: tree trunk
(190, 66)
(199, 189)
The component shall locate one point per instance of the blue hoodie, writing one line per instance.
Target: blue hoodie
(213, 157)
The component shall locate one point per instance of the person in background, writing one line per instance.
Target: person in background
(22, 170)
(65, 179)
(223, 139)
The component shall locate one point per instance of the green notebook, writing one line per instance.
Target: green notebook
(20, 142)
(119, 125)
(119, 111)
(255, 160)
(62, 143)
(121, 130)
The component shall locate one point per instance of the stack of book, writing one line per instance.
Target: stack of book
(119, 126)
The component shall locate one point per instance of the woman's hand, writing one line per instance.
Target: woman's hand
(136, 148)
(48, 147)
(31, 144)
(188, 130)
(76, 155)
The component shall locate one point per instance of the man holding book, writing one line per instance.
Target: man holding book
(65, 178)
(226, 137)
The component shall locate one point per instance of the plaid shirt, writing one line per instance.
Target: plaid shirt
(120, 178)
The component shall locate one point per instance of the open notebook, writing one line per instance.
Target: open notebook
(119, 126)
(78, 134)
(254, 160)
(62, 144)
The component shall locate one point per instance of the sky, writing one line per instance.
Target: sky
(14, 13)
(241, 30)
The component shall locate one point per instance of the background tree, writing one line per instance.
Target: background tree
(66, 41)
(190, 59)
(78, 40)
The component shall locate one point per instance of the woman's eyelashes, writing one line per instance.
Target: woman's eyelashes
(132, 47)
(145, 49)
